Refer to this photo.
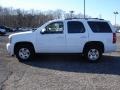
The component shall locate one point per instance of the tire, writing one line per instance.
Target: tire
(24, 53)
(93, 54)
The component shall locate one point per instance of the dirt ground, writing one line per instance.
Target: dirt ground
(59, 72)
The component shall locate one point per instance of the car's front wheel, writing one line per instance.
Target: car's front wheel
(24, 53)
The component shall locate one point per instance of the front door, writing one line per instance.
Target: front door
(52, 40)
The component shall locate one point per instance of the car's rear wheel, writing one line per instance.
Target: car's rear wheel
(24, 53)
(93, 54)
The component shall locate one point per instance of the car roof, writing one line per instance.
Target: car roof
(80, 19)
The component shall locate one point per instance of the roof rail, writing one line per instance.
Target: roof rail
(83, 18)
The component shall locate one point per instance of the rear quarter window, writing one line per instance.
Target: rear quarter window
(100, 27)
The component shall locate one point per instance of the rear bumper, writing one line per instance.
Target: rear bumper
(10, 49)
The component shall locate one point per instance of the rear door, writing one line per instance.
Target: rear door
(77, 36)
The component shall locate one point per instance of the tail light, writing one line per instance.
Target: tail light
(114, 38)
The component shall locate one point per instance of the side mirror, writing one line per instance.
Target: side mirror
(43, 31)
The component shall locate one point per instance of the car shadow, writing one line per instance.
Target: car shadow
(76, 63)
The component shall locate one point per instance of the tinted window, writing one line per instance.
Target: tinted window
(102, 27)
(56, 27)
(75, 27)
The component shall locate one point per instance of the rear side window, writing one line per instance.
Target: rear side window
(75, 27)
(100, 27)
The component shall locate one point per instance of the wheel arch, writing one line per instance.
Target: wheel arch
(24, 44)
(94, 43)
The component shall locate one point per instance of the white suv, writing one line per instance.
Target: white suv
(92, 37)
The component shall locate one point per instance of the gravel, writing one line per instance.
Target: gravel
(58, 72)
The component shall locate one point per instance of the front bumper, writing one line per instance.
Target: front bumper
(10, 49)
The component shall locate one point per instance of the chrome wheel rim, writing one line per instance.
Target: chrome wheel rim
(93, 54)
(24, 53)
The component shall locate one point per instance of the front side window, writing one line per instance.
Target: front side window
(75, 27)
(99, 27)
(56, 27)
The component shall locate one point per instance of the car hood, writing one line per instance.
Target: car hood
(20, 33)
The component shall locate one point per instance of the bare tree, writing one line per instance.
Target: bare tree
(20, 18)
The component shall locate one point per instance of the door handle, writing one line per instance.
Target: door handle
(60, 37)
(83, 37)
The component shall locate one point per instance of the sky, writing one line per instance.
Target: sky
(94, 8)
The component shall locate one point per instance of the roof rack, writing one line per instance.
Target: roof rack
(83, 18)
